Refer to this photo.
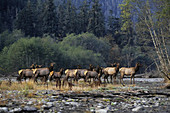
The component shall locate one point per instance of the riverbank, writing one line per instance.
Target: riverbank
(146, 96)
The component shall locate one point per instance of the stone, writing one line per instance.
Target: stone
(15, 110)
(52, 100)
(113, 103)
(101, 111)
(136, 109)
(30, 103)
(49, 104)
(3, 109)
(29, 109)
(100, 105)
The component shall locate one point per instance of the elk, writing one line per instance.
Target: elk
(43, 72)
(70, 73)
(95, 74)
(34, 66)
(112, 72)
(25, 73)
(57, 76)
(80, 74)
(129, 71)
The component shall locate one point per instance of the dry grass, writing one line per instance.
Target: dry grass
(29, 85)
(81, 86)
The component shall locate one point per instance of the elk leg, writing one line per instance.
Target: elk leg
(107, 78)
(66, 78)
(87, 78)
(111, 77)
(64, 81)
(59, 84)
(84, 79)
(114, 79)
(25, 79)
(56, 83)
(122, 76)
(99, 81)
(133, 79)
(35, 78)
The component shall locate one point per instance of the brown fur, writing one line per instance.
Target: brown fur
(112, 72)
(43, 72)
(24, 74)
(129, 71)
(57, 77)
(70, 73)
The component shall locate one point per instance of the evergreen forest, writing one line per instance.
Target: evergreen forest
(71, 34)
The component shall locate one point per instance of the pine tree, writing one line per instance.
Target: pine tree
(126, 17)
(113, 25)
(39, 15)
(8, 12)
(26, 20)
(61, 21)
(70, 18)
(83, 17)
(50, 18)
(96, 20)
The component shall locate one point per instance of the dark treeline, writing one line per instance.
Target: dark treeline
(38, 17)
(44, 31)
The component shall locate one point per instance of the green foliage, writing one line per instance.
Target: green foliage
(83, 16)
(8, 12)
(7, 38)
(61, 21)
(126, 15)
(96, 20)
(24, 52)
(78, 56)
(114, 25)
(49, 18)
(26, 20)
(127, 24)
(88, 41)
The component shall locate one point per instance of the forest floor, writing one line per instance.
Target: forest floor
(146, 96)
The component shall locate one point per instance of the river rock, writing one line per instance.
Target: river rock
(101, 111)
(3, 109)
(15, 110)
(136, 109)
(100, 105)
(29, 109)
(30, 103)
(49, 104)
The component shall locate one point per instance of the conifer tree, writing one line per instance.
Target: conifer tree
(113, 25)
(96, 20)
(26, 20)
(39, 15)
(126, 17)
(70, 18)
(50, 18)
(83, 17)
(61, 21)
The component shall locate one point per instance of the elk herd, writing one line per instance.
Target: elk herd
(64, 76)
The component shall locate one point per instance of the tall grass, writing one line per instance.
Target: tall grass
(30, 85)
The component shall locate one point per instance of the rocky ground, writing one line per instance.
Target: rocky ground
(145, 96)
